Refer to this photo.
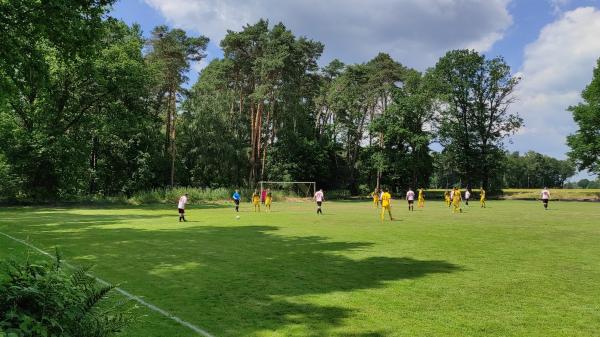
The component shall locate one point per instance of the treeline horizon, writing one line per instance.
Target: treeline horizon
(88, 106)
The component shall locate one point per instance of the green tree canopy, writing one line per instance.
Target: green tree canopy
(474, 119)
(585, 143)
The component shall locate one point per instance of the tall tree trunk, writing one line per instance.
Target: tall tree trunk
(255, 141)
(252, 145)
(168, 124)
(93, 162)
(270, 112)
(258, 142)
(173, 108)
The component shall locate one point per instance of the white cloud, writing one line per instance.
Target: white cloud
(556, 68)
(557, 5)
(416, 32)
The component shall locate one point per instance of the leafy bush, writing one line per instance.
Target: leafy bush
(337, 194)
(171, 195)
(42, 299)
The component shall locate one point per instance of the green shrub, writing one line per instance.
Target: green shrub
(337, 194)
(8, 182)
(42, 299)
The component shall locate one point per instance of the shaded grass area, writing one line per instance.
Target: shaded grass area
(508, 270)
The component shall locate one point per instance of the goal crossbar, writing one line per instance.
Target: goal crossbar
(312, 185)
(286, 182)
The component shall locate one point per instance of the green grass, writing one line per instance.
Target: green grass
(512, 269)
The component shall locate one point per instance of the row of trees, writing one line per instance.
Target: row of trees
(346, 126)
(513, 170)
(584, 183)
(87, 105)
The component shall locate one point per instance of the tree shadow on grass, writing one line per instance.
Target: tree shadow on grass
(238, 280)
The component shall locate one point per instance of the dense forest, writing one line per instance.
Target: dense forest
(90, 106)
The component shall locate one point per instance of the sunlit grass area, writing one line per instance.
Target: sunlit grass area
(511, 269)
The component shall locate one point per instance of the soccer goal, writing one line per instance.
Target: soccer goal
(297, 189)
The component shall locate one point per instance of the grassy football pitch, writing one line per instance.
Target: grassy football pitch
(512, 269)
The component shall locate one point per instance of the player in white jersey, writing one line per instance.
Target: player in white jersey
(319, 199)
(467, 196)
(181, 207)
(410, 197)
(545, 197)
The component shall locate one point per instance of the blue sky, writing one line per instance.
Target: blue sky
(551, 44)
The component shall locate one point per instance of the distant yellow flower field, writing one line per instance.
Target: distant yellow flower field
(559, 194)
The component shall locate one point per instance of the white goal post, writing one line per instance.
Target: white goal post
(304, 189)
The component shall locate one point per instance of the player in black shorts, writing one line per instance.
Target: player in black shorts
(236, 200)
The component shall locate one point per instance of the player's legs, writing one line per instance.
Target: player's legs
(319, 211)
(545, 201)
(389, 210)
(383, 212)
(237, 205)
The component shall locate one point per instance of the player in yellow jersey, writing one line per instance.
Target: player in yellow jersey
(447, 198)
(256, 201)
(386, 198)
(421, 199)
(482, 197)
(375, 196)
(456, 199)
(268, 200)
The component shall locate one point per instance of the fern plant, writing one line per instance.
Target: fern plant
(44, 299)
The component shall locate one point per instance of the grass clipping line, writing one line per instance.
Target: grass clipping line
(138, 299)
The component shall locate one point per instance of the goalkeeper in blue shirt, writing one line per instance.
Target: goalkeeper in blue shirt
(236, 200)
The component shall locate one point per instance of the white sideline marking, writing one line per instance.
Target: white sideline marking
(165, 313)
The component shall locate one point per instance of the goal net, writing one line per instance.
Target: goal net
(289, 189)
